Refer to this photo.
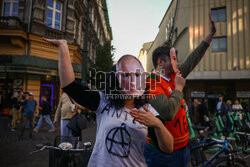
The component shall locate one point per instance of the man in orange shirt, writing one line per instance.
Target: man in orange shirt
(166, 84)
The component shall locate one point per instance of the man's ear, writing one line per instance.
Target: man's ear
(159, 61)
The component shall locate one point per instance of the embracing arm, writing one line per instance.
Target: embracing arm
(195, 57)
(81, 94)
(164, 138)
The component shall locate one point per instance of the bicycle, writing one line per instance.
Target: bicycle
(229, 159)
(65, 155)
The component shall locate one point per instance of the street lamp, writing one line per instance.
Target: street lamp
(85, 49)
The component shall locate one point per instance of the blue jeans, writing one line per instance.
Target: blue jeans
(47, 119)
(66, 134)
(179, 158)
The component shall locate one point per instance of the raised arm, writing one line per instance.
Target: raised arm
(195, 57)
(66, 72)
(81, 94)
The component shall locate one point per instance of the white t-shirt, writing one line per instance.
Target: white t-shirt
(119, 140)
(237, 107)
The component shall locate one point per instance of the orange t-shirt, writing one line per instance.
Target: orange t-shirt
(178, 127)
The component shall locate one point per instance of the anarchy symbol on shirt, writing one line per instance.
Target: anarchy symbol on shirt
(118, 141)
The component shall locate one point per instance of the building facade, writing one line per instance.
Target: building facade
(160, 39)
(29, 63)
(225, 68)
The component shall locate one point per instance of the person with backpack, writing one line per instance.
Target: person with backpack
(45, 109)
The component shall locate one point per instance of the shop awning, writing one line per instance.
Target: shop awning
(33, 61)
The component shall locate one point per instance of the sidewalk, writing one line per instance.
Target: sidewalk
(14, 153)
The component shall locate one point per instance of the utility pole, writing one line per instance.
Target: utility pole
(85, 49)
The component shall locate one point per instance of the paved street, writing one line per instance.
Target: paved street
(14, 153)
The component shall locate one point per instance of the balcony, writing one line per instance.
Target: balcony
(11, 23)
(53, 33)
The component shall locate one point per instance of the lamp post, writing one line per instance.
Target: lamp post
(85, 49)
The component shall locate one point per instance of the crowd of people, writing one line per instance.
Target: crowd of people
(24, 109)
(200, 113)
(123, 124)
(131, 130)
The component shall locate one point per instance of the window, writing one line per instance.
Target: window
(219, 14)
(10, 8)
(95, 25)
(219, 44)
(92, 15)
(54, 14)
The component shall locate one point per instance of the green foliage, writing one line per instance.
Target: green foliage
(104, 57)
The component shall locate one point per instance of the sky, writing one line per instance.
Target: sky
(134, 22)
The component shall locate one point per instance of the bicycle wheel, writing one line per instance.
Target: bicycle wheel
(223, 162)
(197, 156)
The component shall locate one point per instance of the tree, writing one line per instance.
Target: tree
(104, 62)
(104, 57)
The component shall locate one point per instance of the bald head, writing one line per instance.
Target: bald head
(127, 60)
(129, 73)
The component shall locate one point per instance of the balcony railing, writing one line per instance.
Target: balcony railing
(11, 22)
(53, 33)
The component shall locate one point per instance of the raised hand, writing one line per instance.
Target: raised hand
(173, 60)
(56, 42)
(145, 117)
(213, 29)
(209, 38)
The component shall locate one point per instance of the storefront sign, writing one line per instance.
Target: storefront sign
(198, 94)
(243, 94)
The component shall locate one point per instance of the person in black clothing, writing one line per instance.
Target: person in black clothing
(197, 112)
(122, 114)
(228, 109)
(245, 105)
(45, 109)
(205, 118)
(15, 106)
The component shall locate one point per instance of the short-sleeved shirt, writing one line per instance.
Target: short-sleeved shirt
(15, 103)
(29, 107)
(178, 127)
(120, 139)
(219, 106)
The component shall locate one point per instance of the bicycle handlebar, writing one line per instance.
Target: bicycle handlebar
(58, 148)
